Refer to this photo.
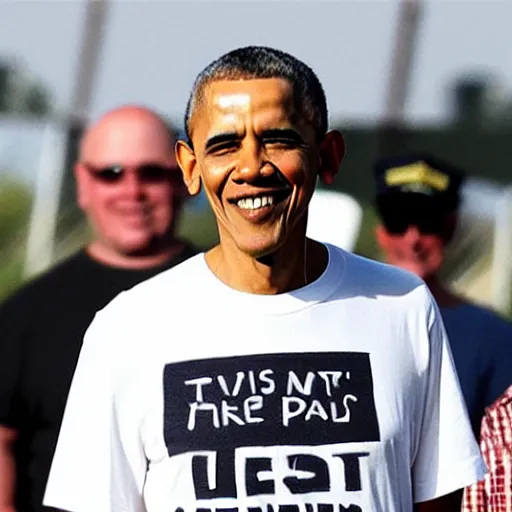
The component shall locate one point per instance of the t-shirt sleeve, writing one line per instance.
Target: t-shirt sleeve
(11, 339)
(447, 457)
(99, 464)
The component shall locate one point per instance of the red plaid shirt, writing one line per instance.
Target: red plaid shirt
(494, 492)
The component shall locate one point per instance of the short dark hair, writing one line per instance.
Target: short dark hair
(255, 62)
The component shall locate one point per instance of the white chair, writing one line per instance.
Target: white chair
(334, 218)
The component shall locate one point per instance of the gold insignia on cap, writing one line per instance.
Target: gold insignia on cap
(418, 172)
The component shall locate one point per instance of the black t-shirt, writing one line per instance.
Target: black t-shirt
(41, 332)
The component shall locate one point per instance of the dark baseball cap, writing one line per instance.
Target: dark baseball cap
(419, 175)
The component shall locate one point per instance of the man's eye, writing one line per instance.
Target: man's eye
(223, 147)
(282, 141)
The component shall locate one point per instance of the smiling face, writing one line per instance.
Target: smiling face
(258, 159)
(128, 183)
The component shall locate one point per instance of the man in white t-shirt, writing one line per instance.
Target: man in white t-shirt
(273, 373)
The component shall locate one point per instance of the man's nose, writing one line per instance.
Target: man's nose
(253, 163)
(413, 234)
(132, 184)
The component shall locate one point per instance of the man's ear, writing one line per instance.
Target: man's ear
(332, 151)
(186, 159)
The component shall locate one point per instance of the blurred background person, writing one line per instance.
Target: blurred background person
(131, 190)
(418, 198)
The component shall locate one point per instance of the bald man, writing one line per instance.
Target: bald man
(131, 191)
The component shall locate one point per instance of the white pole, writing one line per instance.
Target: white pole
(406, 34)
(502, 253)
(43, 219)
(90, 49)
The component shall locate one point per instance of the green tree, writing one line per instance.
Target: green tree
(21, 94)
(15, 205)
(37, 101)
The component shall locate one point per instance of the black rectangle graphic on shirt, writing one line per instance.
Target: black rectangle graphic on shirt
(304, 399)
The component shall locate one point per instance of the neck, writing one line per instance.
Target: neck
(443, 296)
(289, 268)
(109, 256)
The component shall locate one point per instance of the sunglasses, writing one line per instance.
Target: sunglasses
(147, 173)
(427, 222)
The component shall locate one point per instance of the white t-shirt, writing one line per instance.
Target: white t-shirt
(190, 396)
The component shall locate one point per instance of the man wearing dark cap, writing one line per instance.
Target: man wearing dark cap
(417, 200)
